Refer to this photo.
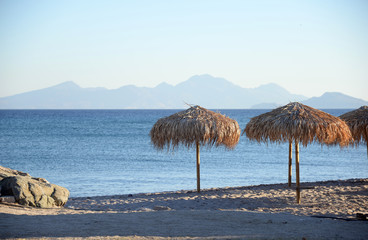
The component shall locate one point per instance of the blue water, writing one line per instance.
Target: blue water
(108, 152)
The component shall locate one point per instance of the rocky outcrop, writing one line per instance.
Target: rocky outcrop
(7, 172)
(35, 192)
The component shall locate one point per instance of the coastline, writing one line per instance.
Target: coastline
(328, 209)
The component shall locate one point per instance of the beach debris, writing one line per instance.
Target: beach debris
(362, 216)
(194, 127)
(29, 191)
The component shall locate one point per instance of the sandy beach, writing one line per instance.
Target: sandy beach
(328, 211)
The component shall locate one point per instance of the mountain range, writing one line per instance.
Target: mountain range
(205, 90)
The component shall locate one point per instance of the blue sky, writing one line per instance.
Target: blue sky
(308, 47)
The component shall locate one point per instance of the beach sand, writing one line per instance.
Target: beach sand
(328, 211)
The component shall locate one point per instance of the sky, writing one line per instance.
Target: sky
(308, 47)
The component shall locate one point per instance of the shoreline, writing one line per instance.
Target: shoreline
(328, 209)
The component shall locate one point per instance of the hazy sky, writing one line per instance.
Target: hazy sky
(308, 47)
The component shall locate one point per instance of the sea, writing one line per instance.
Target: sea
(109, 152)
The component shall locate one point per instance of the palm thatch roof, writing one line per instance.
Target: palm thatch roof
(298, 122)
(195, 125)
(357, 120)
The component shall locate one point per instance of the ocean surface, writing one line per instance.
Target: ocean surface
(108, 152)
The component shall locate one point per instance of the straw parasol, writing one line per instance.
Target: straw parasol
(195, 126)
(301, 124)
(357, 121)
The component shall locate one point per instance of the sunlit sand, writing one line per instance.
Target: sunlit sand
(328, 210)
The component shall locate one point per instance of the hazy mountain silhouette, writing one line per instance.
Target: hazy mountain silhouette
(334, 100)
(204, 90)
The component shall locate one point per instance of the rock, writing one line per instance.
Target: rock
(161, 208)
(144, 209)
(7, 172)
(60, 195)
(35, 192)
(45, 202)
(7, 199)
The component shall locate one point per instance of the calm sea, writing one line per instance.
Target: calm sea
(108, 152)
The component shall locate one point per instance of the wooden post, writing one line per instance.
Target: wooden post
(290, 161)
(297, 172)
(198, 170)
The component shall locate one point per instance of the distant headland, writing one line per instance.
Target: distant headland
(205, 90)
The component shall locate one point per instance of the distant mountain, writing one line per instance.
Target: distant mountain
(204, 90)
(334, 100)
(265, 106)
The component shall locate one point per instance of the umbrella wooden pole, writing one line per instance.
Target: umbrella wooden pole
(290, 161)
(297, 172)
(198, 170)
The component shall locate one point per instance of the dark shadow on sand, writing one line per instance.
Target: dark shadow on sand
(176, 224)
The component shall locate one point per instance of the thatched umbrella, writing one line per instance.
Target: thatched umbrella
(357, 121)
(195, 126)
(301, 124)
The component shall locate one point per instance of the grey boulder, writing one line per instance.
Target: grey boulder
(35, 192)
